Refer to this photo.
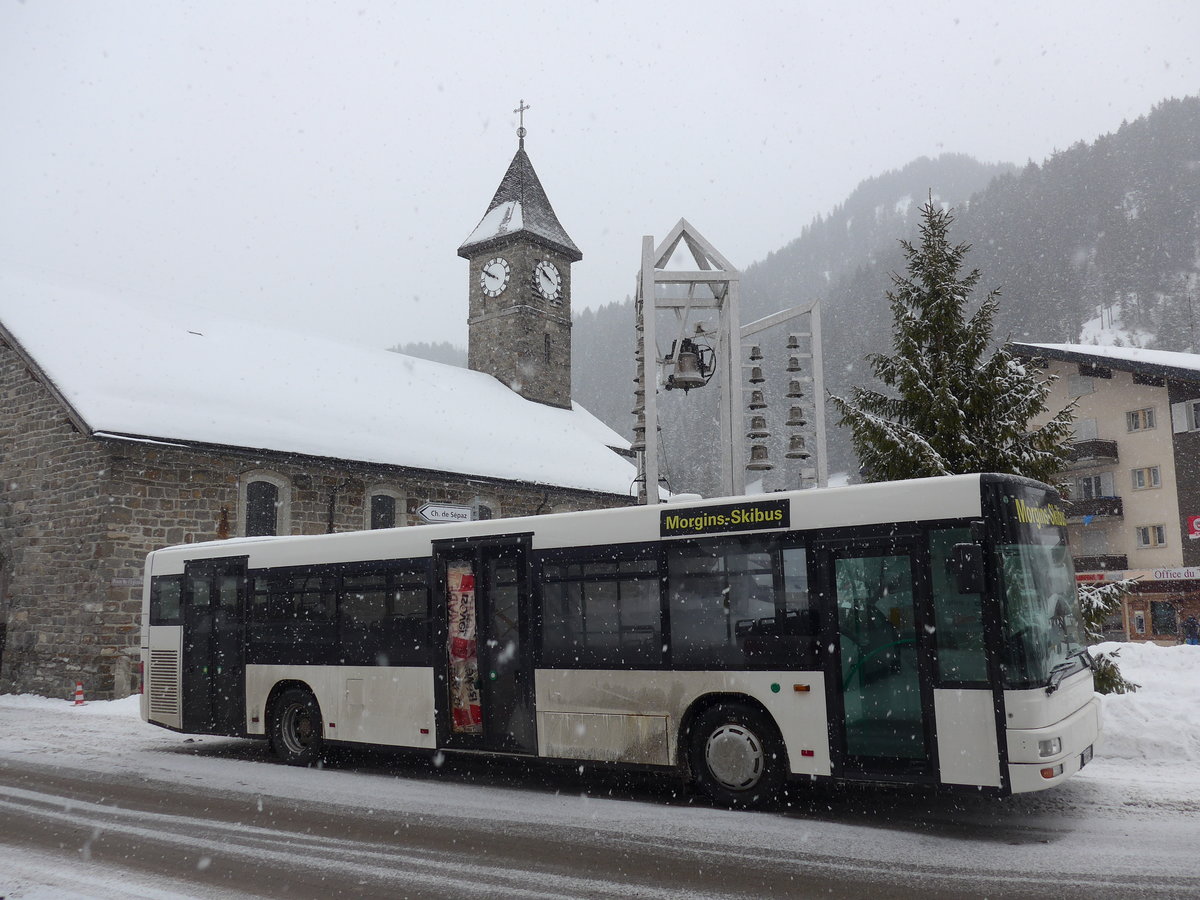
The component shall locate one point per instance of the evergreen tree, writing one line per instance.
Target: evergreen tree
(953, 407)
(1098, 602)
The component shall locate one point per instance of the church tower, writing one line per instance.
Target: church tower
(520, 288)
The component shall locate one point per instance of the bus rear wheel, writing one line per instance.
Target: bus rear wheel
(737, 756)
(296, 734)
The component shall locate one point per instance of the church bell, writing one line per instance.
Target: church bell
(758, 459)
(689, 369)
(796, 449)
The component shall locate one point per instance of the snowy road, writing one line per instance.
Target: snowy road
(93, 803)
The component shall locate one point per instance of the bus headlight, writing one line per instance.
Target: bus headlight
(1052, 747)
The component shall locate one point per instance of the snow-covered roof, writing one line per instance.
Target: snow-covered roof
(186, 376)
(499, 220)
(1184, 366)
(520, 207)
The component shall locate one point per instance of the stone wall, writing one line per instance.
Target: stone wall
(52, 543)
(518, 336)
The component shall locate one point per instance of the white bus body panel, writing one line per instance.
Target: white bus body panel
(633, 717)
(1072, 714)
(966, 736)
(390, 705)
(162, 699)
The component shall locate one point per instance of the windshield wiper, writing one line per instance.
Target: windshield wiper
(1060, 671)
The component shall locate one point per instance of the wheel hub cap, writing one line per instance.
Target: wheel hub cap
(735, 757)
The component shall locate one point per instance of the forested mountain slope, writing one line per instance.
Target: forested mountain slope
(1107, 232)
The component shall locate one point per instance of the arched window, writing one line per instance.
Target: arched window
(265, 504)
(262, 508)
(385, 508)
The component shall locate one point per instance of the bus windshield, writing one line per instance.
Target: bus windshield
(1043, 626)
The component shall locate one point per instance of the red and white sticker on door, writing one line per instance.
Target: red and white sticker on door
(465, 714)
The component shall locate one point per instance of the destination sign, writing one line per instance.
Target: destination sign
(749, 516)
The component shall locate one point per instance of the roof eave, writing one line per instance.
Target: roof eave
(336, 462)
(1125, 365)
(73, 415)
(467, 251)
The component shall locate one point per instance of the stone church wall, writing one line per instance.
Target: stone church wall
(80, 514)
(53, 611)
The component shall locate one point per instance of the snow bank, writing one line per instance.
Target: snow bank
(1160, 722)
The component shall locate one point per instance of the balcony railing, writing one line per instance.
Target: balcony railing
(1092, 451)
(1098, 506)
(1115, 562)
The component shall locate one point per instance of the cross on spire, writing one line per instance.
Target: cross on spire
(520, 110)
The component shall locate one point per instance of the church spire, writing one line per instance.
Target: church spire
(520, 208)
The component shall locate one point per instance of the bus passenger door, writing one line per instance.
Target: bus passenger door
(486, 667)
(214, 684)
(878, 671)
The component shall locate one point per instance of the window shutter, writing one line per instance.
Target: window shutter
(1106, 485)
(1180, 417)
(1085, 429)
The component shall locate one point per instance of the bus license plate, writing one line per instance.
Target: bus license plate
(1085, 757)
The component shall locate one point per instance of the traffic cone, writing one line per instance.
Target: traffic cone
(79, 693)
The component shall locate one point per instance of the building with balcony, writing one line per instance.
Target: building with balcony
(1133, 480)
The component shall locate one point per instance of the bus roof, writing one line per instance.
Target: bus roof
(948, 497)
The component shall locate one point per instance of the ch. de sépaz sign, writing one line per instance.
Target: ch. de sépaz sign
(442, 512)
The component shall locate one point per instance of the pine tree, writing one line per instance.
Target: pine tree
(1098, 602)
(953, 407)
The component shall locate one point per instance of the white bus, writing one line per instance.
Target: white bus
(922, 632)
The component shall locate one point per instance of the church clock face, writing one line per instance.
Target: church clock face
(548, 281)
(493, 277)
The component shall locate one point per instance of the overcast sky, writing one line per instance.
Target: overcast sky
(318, 163)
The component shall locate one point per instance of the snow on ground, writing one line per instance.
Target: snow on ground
(1144, 780)
(1158, 725)
(1149, 735)
(1107, 330)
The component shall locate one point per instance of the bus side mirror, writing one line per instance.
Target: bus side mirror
(966, 563)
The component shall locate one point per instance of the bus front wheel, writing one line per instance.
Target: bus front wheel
(296, 734)
(737, 756)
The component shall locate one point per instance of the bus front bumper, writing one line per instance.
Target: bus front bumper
(1039, 758)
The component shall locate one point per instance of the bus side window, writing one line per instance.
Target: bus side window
(604, 613)
(411, 602)
(958, 618)
(740, 603)
(363, 599)
(166, 600)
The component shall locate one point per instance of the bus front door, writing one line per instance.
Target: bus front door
(214, 687)
(878, 675)
(488, 670)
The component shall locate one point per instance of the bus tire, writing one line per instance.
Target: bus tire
(296, 734)
(737, 756)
